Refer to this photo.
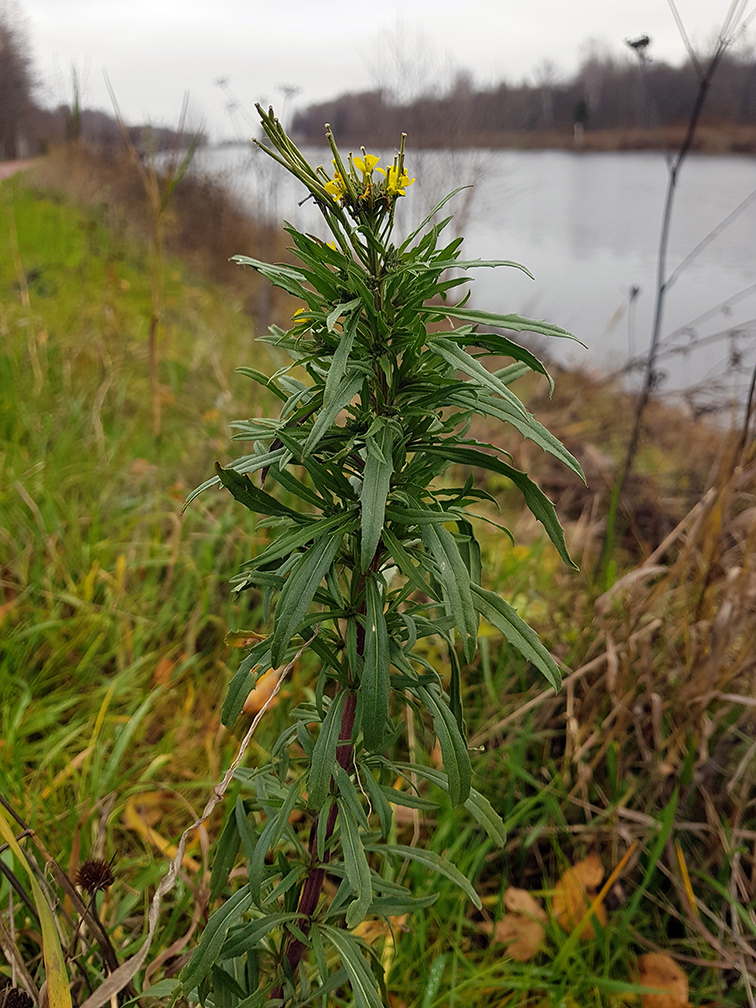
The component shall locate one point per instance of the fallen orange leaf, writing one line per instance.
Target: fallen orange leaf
(260, 695)
(520, 930)
(521, 901)
(574, 893)
(163, 671)
(656, 969)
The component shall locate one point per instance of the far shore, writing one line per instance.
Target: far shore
(723, 139)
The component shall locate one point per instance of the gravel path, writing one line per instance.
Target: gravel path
(8, 168)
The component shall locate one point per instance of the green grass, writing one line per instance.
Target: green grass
(113, 666)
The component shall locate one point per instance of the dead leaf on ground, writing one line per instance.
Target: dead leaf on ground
(574, 893)
(521, 930)
(522, 901)
(656, 969)
(143, 809)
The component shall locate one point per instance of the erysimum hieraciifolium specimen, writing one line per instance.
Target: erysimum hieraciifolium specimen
(365, 479)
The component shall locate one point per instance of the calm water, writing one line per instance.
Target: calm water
(587, 226)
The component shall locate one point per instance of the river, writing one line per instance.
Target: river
(587, 226)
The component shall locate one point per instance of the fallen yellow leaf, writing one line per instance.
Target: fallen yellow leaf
(521, 929)
(656, 969)
(133, 818)
(260, 695)
(574, 893)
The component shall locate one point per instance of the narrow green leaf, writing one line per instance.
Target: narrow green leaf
(324, 754)
(466, 363)
(355, 865)
(254, 665)
(341, 309)
(206, 954)
(248, 937)
(245, 464)
(340, 358)
(224, 855)
(394, 906)
(286, 277)
(376, 481)
(362, 981)
(432, 862)
(504, 617)
(404, 562)
(375, 672)
(477, 805)
(350, 796)
(378, 800)
(252, 497)
(537, 501)
(262, 379)
(347, 388)
(285, 544)
(527, 425)
(455, 581)
(298, 592)
(514, 322)
(453, 748)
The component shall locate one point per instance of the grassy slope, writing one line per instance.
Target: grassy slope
(113, 663)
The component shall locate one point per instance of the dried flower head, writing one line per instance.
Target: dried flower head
(94, 875)
(14, 997)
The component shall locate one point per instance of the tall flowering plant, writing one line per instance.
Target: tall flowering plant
(374, 550)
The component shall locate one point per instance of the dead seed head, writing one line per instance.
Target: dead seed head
(14, 997)
(94, 875)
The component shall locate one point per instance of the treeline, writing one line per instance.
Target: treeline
(27, 129)
(606, 93)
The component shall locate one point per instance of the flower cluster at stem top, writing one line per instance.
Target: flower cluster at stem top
(358, 188)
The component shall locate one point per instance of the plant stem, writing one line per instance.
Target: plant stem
(313, 886)
(662, 284)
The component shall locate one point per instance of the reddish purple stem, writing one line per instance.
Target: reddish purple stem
(313, 886)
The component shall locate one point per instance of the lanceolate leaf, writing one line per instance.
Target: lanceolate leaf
(527, 425)
(324, 754)
(432, 862)
(453, 748)
(514, 322)
(455, 579)
(361, 979)
(286, 277)
(375, 488)
(522, 637)
(252, 498)
(477, 805)
(462, 360)
(342, 396)
(340, 358)
(535, 498)
(297, 594)
(356, 867)
(206, 953)
(374, 686)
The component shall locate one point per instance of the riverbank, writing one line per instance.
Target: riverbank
(114, 610)
(728, 139)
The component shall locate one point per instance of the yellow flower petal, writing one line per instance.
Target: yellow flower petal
(366, 164)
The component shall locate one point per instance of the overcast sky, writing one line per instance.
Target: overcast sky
(156, 50)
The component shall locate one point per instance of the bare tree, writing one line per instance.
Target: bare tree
(16, 82)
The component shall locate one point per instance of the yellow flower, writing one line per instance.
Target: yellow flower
(396, 183)
(336, 187)
(366, 164)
